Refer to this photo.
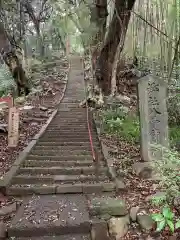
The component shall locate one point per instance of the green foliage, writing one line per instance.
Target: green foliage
(173, 105)
(168, 168)
(6, 80)
(165, 218)
(116, 121)
(159, 200)
(174, 133)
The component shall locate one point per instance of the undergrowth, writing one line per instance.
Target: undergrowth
(116, 120)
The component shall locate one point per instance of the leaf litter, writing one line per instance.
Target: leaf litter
(35, 109)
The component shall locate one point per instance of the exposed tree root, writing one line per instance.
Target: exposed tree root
(94, 97)
(15, 61)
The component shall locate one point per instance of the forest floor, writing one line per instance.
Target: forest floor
(48, 84)
(138, 190)
(49, 81)
(34, 112)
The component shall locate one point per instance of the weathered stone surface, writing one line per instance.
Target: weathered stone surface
(157, 195)
(52, 214)
(105, 217)
(92, 188)
(118, 100)
(107, 187)
(176, 203)
(2, 230)
(142, 169)
(152, 90)
(123, 99)
(8, 209)
(133, 213)
(145, 221)
(69, 188)
(120, 186)
(113, 207)
(61, 237)
(118, 227)
(99, 231)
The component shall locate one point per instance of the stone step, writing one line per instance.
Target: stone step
(67, 127)
(59, 158)
(71, 115)
(62, 148)
(74, 144)
(61, 152)
(51, 215)
(69, 141)
(81, 136)
(85, 188)
(61, 170)
(70, 133)
(67, 138)
(75, 121)
(70, 129)
(56, 179)
(71, 119)
(46, 163)
(66, 124)
(63, 237)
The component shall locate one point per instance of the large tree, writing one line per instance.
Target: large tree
(38, 12)
(116, 34)
(12, 56)
(98, 19)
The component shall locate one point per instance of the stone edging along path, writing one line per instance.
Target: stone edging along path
(6, 181)
(120, 186)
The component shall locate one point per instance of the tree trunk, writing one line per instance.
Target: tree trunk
(40, 43)
(4, 42)
(99, 15)
(13, 60)
(117, 31)
(114, 71)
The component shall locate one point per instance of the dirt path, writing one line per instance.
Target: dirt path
(57, 179)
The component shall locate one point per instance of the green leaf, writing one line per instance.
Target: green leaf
(167, 213)
(170, 224)
(161, 225)
(157, 217)
(177, 225)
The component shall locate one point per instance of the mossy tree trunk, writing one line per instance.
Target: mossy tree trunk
(117, 31)
(13, 57)
(99, 15)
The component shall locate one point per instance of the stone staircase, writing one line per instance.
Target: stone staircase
(59, 175)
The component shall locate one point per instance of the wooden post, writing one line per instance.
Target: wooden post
(13, 127)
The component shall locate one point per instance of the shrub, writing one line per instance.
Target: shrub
(168, 169)
(116, 121)
(173, 107)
